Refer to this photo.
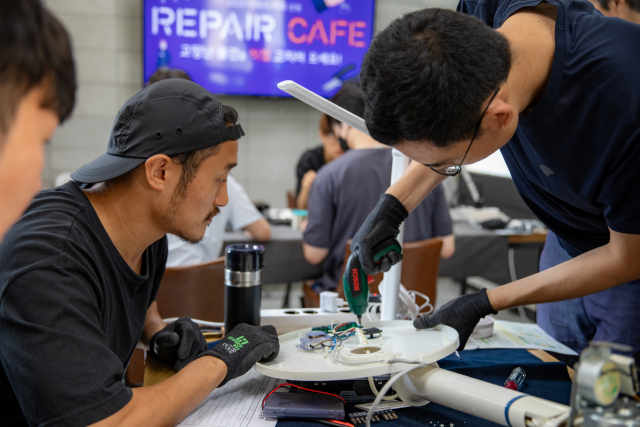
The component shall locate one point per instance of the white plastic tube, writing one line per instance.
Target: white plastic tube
(391, 281)
(320, 103)
(490, 402)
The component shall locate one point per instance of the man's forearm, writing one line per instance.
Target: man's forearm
(168, 402)
(591, 272)
(414, 185)
(302, 200)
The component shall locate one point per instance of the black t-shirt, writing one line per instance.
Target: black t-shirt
(311, 160)
(71, 313)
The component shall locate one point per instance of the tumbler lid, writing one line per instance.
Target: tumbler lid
(244, 257)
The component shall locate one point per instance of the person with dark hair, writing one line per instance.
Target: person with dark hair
(553, 85)
(239, 213)
(79, 272)
(164, 73)
(345, 191)
(629, 10)
(312, 160)
(37, 83)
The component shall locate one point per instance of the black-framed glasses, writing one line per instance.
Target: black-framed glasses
(455, 169)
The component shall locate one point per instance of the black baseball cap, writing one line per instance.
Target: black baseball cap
(172, 116)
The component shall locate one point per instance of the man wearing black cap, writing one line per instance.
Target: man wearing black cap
(79, 272)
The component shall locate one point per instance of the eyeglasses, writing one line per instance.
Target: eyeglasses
(455, 169)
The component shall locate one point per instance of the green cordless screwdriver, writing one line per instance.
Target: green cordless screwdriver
(356, 282)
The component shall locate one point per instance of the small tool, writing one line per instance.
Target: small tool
(356, 282)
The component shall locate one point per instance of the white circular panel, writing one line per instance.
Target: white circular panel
(426, 346)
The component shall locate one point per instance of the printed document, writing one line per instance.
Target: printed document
(237, 404)
(519, 335)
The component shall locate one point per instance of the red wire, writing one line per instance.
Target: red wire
(302, 388)
(342, 423)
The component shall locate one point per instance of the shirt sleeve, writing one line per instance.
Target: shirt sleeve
(441, 219)
(243, 211)
(619, 194)
(54, 350)
(322, 212)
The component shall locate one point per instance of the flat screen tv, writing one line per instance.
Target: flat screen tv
(246, 47)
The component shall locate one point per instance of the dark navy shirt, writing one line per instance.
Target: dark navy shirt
(346, 191)
(575, 158)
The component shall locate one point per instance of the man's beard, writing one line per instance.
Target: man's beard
(192, 239)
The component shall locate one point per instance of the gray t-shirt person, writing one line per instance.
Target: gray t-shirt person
(343, 194)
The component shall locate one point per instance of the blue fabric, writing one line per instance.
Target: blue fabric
(574, 156)
(546, 380)
(610, 315)
(345, 191)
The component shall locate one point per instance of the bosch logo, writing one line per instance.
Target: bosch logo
(356, 280)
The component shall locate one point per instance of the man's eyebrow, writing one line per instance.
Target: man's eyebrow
(231, 166)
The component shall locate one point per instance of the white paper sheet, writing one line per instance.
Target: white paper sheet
(237, 404)
(519, 335)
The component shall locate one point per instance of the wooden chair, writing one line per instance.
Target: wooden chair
(291, 199)
(196, 291)
(420, 264)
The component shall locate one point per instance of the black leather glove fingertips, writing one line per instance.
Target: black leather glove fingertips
(243, 347)
(382, 223)
(462, 314)
(179, 343)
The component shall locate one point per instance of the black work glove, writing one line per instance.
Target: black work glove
(179, 343)
(462, 314)
(243, 346)
(382, 223)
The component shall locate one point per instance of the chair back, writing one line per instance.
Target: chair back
(196, 291)
(420, 264)
(291, 199)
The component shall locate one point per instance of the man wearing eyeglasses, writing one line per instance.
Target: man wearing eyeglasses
(553, 85)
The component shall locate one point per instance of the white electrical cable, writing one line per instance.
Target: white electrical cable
(375, 390)
(386, 388)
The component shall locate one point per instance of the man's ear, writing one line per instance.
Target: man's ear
(499, 115)
(160, 171)
(619, 6)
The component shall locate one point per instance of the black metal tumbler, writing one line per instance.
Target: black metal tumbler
(243, 285)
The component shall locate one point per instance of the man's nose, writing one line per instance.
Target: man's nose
(222, 198)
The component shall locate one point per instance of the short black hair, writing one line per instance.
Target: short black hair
(350, 98)
(633, 4)
(427, 75)
(163, 73)
(34, 48)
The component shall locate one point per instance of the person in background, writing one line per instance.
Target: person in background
(312, 160)
(346, 190)
(239, 212)
(38, 85)
(80, 270)
(629, 10)
(163, 73)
